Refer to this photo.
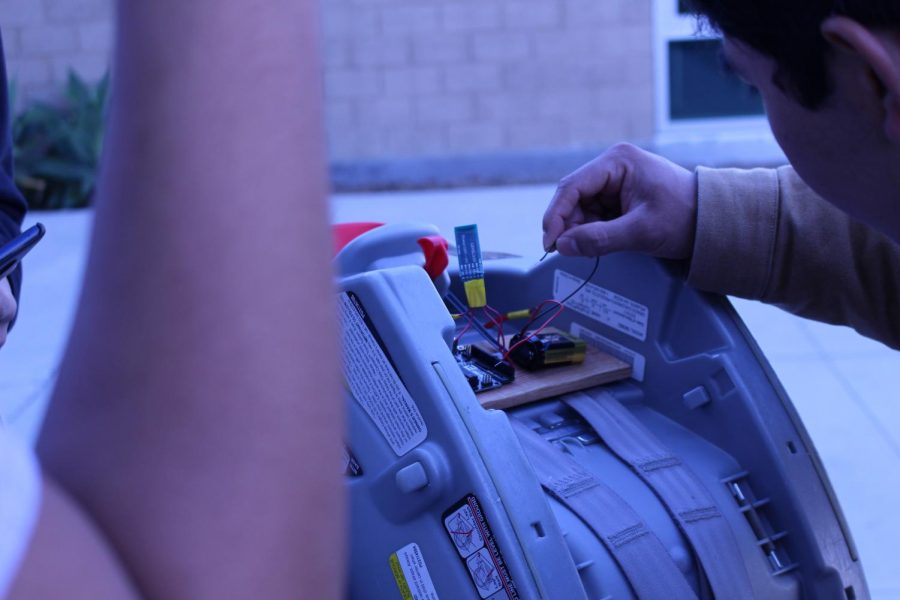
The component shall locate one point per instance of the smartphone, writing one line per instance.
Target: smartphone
(12, 251)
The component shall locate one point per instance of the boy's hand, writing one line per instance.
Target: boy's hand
(8, 308)
(625, 199)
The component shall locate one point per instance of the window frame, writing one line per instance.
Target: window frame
(670, 26)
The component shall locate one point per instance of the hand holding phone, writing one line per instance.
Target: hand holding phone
(12, 251)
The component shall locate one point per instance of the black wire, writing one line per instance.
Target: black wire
(567, 298)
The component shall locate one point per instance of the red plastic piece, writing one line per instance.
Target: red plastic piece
(436, 255)
(344, 233)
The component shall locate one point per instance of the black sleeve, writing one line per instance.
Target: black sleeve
(12, 204)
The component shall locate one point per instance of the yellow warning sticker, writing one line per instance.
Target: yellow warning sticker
(401, 579)
(411, 574)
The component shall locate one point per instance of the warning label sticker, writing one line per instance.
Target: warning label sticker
(599, 303)
(373, 380)
(464, 531)
(411, 573)
(471, 535)
(636, 360)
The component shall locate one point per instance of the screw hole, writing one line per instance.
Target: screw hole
(538, 529)
(792, 447)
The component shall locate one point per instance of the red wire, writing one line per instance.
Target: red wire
(468, 316)
(539, 329)
(497, 319)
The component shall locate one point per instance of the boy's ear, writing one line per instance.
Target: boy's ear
(881, 53)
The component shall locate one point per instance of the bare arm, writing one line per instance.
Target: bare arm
(197, 418)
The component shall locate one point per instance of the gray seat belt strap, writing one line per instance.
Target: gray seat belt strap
(689, 502)
(647, 565)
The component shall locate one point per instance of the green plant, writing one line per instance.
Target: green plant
(56, 147)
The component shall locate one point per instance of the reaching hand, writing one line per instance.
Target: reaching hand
(625, 199)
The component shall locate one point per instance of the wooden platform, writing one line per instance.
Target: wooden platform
(530, 386)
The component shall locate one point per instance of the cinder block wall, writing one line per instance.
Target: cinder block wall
(43, 39)
(419, 79)
(449, 77)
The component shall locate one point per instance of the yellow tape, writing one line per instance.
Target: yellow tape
(519, 314)
(475, 293)
(401, 579)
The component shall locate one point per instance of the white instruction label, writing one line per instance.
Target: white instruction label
(599, 303)
(374, 382)
(637, 361)
(411, 572)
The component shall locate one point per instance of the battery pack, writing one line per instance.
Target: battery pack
(548, 348)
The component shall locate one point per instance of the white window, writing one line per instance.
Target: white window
(697, 101)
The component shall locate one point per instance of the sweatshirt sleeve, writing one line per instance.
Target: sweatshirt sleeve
(763, 234)
(12, 204)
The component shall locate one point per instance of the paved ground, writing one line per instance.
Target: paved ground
(843, 385)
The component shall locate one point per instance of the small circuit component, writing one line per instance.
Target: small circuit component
(546, 349)
(471, 266)
(482, 369)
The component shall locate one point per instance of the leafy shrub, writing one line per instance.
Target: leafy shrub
(56, 147)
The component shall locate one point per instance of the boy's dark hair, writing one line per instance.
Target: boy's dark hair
(789, 32)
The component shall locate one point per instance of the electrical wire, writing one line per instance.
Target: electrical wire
(560, 305)
(470, 319)
(461, 308)
(497, 320)
(570, 296)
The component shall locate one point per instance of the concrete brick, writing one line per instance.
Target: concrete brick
(343, 143)
(397, 142)
(501, 47)
(445, 108)
(472, 78)
(68, 11)
(597, 132)
(340, 114)
(580, 14)
(96, 36)
(638, 12)
(528, 14)
(537, 134)
(383, 113)
(336, 53)
(412, 81)
(566, 104)
(440, 49)
(21, 12)
(585, 45)
(476, 136)
(345, 83)
(506, 106)
(349, 22)
(379, 52)
(48, 40)
(471, 16)
(409, 19)
(11, 44)
(29, 71)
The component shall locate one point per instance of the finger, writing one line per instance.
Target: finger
(588, 181)
(603, 237)
(8, 307)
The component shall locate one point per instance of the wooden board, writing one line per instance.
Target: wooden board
(530, 386)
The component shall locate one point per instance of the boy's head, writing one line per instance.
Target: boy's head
(828, 72)
(790, 32)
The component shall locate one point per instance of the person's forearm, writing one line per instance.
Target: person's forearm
(194, 418)
(764, 235)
